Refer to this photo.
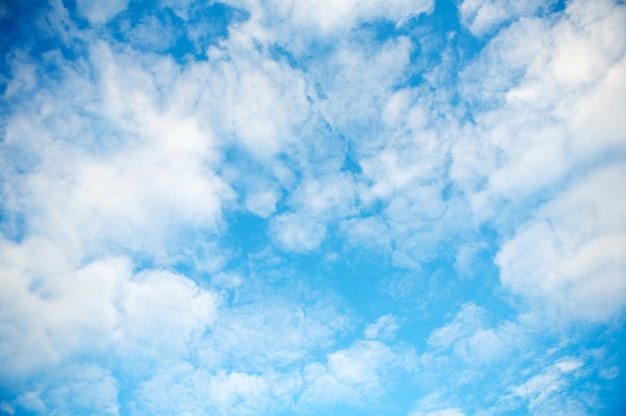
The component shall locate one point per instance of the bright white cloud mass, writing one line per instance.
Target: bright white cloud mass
(313, 207)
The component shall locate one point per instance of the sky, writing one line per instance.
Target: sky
(306, 207)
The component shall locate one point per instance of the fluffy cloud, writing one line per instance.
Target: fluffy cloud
(161, 310)
(357, 375)
(539, 115)
(541, 130)
(295, 232)
(572, 252)
(149, 171)
(52, 308)
(58, 309)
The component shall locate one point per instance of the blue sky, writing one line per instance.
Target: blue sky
(313, 207)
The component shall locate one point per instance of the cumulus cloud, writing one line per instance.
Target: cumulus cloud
(149, 165)
(53, 308)
(357, 375)
(296, 232)
(59, 309)
(262, 203)
(572, 252)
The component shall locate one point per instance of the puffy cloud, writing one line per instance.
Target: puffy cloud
(571, 253)
(52, 309)
(371, 232)
(161, 311)
(249, 359)
(149, 170)
(330, 15)
(57, 309)
(263, 102)
(550, 122)
(296, 232)
(357, 375)
(326, 198)
(262, 203)
(536, 116)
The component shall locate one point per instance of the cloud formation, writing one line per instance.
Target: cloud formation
(250, 207)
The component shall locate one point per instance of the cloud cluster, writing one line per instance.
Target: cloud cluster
(279, 207)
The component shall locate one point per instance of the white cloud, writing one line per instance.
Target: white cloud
(326, 198)
(370, 232)
(240, 389)
(346, 104)
(384, 328)
(144, 168)
(52, 308)
(482, 16)
(355, 375)
(545, 391)
(161, 311)
(571, 253)
(596, 122)
(251, 360)
(99, 12)
(295, 232)
(468, 258)
(301, 18)
(264, 101)
(55, 309)
(538, 115)
(483, 347)
(262, 203)
(152, 34)
(271, 333)
(81, 388)
(469, 319)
